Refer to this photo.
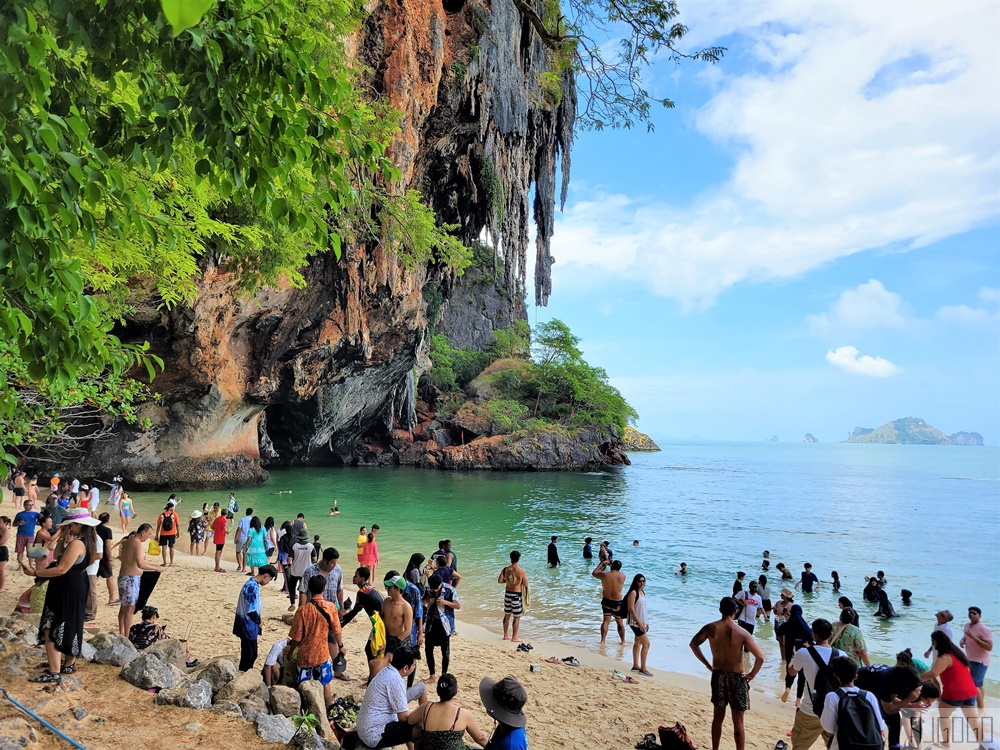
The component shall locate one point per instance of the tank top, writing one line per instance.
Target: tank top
(956, 682)
(442, 739)
(640, 610)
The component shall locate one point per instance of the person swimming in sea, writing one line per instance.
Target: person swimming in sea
(870, 594)
(907, 597)
(786, 574)
(885, 608)
(835, 580)
(683, 571)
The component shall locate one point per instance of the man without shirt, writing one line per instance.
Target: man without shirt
(515, 582)
(730, 687)
(397, 614)
(612, 582)
(133, 562)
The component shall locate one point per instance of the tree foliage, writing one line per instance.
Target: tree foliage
(611, 78)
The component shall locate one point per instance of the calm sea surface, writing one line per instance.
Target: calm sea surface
(929, 516)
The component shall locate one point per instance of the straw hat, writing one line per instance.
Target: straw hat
(196, 514)
(787, 593)
(80, 516)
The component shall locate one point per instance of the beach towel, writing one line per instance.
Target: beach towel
(525, 597)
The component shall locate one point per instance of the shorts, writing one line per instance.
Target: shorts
(767, 605)
(241, 547)
(611, 607)
(747, 626)
(967, 702)
(393, 644)
(128, 590)
(168, 541)
(282, 557)
(127, 512)
(22, 543)
(512, 603)
(19, 492)
(978, 671)
(730, 689)
(4, 554)
(218, 547)
(322, 672)
(639, 632)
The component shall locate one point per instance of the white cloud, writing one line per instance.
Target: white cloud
(967, 314)
(869, 305)
(857, 125)
(846, 358)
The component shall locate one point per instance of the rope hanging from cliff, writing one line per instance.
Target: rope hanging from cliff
(42, 721)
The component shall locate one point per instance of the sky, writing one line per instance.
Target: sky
(810, 240)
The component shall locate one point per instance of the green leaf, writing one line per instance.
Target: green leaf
(183, 14)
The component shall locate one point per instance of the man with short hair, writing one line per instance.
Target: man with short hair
(612, 583)
(369, 600)
(333, 575)
(24, 522)
(553, 553)
(133, 562)
(274, 663)
(897, 689)
(588, 552)
(414, 597)
(752, 604)
(813, 662)
(382, 717)
(808, 580)
(977, 641)
(312, 628)
(730, 687)
(233, 506)
(166, 532)
(845, 670)
(440, 605)
(515, 582)
(20, 492)
(397, 614)
(247, 622)
(241, 538)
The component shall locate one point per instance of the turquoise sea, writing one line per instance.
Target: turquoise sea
(926, 515)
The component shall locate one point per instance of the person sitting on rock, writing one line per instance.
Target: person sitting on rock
(144, 634)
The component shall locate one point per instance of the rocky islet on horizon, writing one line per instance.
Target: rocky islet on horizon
(911, 431)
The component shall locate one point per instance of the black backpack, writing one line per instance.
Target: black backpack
(168, 522)
(857, 725)
(825, 681)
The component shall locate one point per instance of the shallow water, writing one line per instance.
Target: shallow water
(926, 515)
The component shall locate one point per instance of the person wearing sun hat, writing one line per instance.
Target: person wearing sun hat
(504, 700)
(61, 625)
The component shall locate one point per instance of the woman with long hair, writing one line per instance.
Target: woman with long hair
(40, 552)
(846, 603)
(796, 634)
(958, 690)
(885, 608)
(61, 625)
(638, 620)
(125, 511)
(270, 537)
(847, 636)
(256, 556)
(412, 572)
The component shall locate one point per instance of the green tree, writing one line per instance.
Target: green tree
(512, 342)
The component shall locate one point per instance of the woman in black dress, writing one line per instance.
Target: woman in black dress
(61, 627)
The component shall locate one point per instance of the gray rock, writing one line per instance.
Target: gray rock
(306, 739)
(191, 694)
(87, 651)
(113, 649)
(170, 651)
(70, 683)
(80, 713)
(23, 661)
(244, 685)
(252, 706)
(147, 671)
(285, 701)
(227, 708)
(107, 640)
(3, 647)
(275, 729)
(314, 703)
(193, 727)
(218, 672)
(16, 734)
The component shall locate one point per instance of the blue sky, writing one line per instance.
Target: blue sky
(810, 241)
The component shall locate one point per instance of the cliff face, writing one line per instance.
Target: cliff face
(299, 376)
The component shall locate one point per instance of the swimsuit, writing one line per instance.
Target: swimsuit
(126, 508)
(730, 689)
(611, 606)
(128, 590)
(512, 603)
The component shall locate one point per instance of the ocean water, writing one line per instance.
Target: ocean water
(926, 515)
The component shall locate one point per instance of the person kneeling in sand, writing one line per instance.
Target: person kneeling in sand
(133, 562)
(730, 687)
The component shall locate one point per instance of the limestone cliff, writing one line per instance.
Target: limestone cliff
(299, 376)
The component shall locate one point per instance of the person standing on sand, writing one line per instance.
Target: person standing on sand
(515, 582)
(220, 528)
(810, 661)
(730, 687)
(247, 622)
(414, 597)
(106, 569)
(297, 567)
(977, 642)
(638, 620)
(133, 562)
(440, 605)
(362, 541)
(166, 532)
(612, 583)
(4, 551)
(241, 539)
(312, 627)
(125, 512)
(553, 553)
(397, 614)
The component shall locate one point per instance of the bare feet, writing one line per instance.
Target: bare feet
(515, 640)
(506, 637)
(784, 695)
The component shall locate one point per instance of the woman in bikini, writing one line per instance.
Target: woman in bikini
(125, 511)
(442, 725)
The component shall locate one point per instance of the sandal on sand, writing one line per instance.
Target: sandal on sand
(554, 660)
(571, 661)
(630, 680)
(524, 647)
(68, 669)
(780, 745)
(46, 677)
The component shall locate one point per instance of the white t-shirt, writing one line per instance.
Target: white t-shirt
(75, 487)
(753, 603)
(803, 661)
(243, 529)
(302, 558)
(274, 655)
(92, 568)
(95, 497)
(829, 718)
(384, 699)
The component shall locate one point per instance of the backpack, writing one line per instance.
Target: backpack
(825, 681)
(857, 725)
(168, 522)
(10, 479)
(675, 738)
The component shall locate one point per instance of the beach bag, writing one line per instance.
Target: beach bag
(675, 738)
(825, 681)
(37, 552)
(857, 725)
(154, 548)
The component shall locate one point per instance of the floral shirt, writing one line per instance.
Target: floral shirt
(848, 638)
(145, 634)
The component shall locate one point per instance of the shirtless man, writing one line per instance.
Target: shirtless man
(133, 562)
(730, 687)
(612, 582)
(397, 614)
(515, 581)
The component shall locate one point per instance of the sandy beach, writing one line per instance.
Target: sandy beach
(568, 707)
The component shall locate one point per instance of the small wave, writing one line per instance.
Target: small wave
(973, 479)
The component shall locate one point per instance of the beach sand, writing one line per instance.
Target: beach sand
(568, 707)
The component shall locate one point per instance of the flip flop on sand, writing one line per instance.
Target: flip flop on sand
(571, 661)
(630, 680)
(554, 660)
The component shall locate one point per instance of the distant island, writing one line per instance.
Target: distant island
(809, 438)
(911, 431)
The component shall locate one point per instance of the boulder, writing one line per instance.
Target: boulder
(252, 706)
(107, 640)
(227, 708)
(191, 694)
(170, 651)
(244, 685)
(306, 739)
(87, 652)
(16, 734)
(218, 672)
(274, 729)
(116, 656)
(285, 701)
(147, 671)
(314, 703)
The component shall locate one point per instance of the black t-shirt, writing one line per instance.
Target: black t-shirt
(370, 601)
(553, 554)
(104, 566)
(737, 586)
(808, 579)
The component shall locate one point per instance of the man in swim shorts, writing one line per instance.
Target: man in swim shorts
(730, 687)
(133, 562)
(612, 581)
(515, 582)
